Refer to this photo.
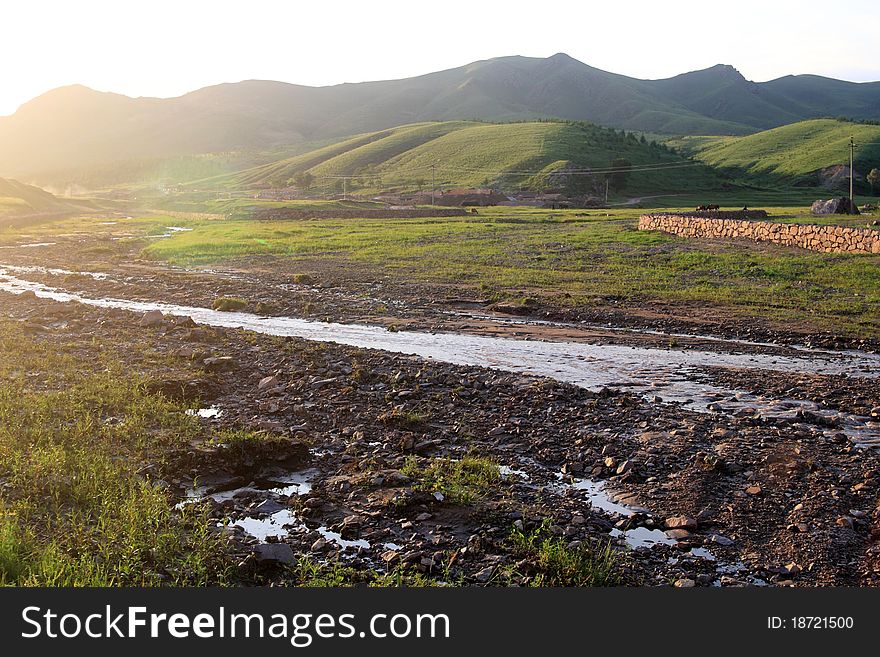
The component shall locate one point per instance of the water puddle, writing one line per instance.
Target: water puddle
(642, 370)
(276, 524)
(207, 413)
(598, 498)
(32, 245)
(98, 276)
(169, 231)
(643, 537)
(507, 471)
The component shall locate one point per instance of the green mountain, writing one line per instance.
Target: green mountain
(808, 152)
(533, 155)
(20, 200)
(75, 128)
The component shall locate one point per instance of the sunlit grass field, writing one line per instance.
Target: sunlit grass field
(569, 257)
(82, 451)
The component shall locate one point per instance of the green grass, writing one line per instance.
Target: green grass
(791, 152)
(567, 260)
(467, 153)
(229, 304)
(461, 482)
(79, 506)
(18, 199)
(552, 562)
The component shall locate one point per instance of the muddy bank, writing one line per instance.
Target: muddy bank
(701, 497)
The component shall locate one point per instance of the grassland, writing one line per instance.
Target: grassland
(82, 452)
(792, 152)
(568, 258)
(467, 153)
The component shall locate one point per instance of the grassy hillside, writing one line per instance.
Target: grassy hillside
(20, 200)
(793, 152)
(467, 153)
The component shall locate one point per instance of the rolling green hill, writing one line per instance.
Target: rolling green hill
(55, 137)
(795, 153)
(533, 155)
(20, 200)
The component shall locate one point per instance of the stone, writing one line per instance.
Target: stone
(390, 556)
(792, 568)
(484, 575)
(152, 318)
(681, 522)
(723, 541)
(320, 545)
(219, 363)
(753, 490)
(274, 553)
(267, 382)
(839, 205)
(685, 583)
(678, 534)
(269, 506)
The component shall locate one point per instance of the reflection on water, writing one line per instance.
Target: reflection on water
(593, 366)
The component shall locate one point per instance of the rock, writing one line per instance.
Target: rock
(321, 545)
(678, 534)
(753, 490)
(685, 583)
(844, 521)
(274, 553)
(269, 507)
(624, 467)
(681, 522)
(839, 205)
(219, 363)
(792, 568)
(267, 382)
(152, 318)
(389, 557)
(723, 541)
(484, 575)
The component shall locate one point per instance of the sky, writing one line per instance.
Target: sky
(167, 48)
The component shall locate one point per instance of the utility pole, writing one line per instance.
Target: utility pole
(606, 191)
(433, 184)
(852, 152)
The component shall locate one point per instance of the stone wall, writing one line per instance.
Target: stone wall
(828, 239)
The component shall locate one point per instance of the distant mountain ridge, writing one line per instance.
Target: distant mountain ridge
(75, 126)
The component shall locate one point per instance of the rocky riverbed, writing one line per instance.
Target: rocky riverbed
(359, 447)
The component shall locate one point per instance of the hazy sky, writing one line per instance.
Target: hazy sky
(166, 48)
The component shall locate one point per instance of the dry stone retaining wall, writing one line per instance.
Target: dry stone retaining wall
(828, 239)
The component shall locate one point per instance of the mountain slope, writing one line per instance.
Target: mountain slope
(796, 152)
(76, 128)
(466, 153)
(20, 200)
